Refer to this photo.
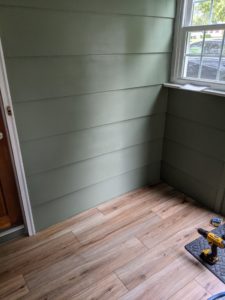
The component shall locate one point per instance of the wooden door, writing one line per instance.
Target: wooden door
(10, 211)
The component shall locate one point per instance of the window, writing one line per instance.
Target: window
(199, 54)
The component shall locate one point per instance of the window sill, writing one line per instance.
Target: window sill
(195, 89)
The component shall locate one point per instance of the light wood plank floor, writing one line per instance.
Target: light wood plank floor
(129, 248)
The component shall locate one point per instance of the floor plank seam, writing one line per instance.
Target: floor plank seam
(176, 292)
(139, 239)
(103, 215)
(199, 283)
(114, 272)
(127, 288)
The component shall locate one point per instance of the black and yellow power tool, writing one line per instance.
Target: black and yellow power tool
(211, 255)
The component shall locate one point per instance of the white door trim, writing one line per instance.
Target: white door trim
(16, 152)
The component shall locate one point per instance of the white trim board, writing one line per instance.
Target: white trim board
(16, 152)
(204, 91)
(11, 230)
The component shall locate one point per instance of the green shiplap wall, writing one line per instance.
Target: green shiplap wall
(194, 146)
(86, 82)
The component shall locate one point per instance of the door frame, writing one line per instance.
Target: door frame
(15, 148)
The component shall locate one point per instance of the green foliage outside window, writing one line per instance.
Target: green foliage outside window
(202, 15)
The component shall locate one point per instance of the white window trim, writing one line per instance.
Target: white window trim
(182, 17)
(16, 152)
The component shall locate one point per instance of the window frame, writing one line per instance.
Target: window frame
(183, 17)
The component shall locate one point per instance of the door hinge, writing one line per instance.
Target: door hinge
(9, 110)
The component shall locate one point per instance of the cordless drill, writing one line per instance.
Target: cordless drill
(210, 255)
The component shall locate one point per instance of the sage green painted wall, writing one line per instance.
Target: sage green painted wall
(194, 146)
(85, 78)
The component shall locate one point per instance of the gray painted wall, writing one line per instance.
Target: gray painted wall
(194, 146)
(85, 78)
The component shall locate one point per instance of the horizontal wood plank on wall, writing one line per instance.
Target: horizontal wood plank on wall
(49, 77)
(60, 209)
(189, 185)
(37, 119)
(62, 33)
(202, 108)
(162, 8)
(202, 138)
(204, 168)
(57, 151)
(48, 62)
(44, 187)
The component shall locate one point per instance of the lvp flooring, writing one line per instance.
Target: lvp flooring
(129, 248)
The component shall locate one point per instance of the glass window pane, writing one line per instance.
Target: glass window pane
(192, 65)
(222, 70)
(210, 67)
(218, 14)
(213, 43)
(201, 12)
(194, 43)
